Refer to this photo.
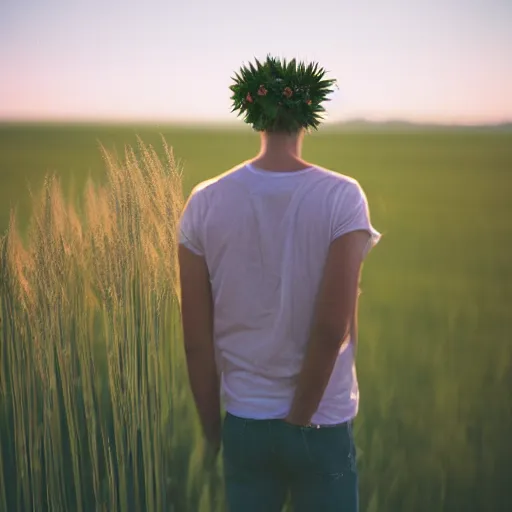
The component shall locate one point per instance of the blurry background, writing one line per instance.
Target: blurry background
(169, 63)
(420, 119)
(423, 61)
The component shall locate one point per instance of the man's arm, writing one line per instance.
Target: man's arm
(197, 320)
(335, 311)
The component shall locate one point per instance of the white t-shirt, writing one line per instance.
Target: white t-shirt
(265, 237)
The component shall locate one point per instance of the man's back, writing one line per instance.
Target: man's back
(265, 237)
(270, 263)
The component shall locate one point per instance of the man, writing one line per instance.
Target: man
(270, 260)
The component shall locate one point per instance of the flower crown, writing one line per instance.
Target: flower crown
(281, 96)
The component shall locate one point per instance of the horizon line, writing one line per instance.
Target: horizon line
(230, 122)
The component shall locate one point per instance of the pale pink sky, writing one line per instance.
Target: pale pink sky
(444, 61)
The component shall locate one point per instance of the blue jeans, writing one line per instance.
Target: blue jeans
(264, 460)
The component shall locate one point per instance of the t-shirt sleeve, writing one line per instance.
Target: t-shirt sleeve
(190, 225)
(351, 213)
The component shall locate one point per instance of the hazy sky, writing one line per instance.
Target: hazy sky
(441, 60)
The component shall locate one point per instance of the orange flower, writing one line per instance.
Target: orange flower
(262, 91)
(288, 92)
(308, 102)
(248, 98)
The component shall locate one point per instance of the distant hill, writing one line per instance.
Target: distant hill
(363, 125)
(351, 125)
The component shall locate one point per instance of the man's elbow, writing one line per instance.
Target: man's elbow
(333, 336)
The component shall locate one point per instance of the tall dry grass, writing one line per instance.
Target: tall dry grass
(95, 412)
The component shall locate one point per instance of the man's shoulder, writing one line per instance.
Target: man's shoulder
(207, 186)
(336, 179)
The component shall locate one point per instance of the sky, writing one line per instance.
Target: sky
(446, 61)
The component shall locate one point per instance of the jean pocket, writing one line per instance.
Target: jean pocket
(330, 451)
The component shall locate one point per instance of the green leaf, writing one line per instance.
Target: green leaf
(306, 80)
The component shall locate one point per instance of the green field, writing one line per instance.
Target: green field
(435, 357)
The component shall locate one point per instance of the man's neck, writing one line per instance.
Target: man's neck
(280, 151)
(282, 144)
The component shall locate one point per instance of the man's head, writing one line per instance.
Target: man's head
(280, 97)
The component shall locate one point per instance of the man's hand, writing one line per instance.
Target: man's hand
(213, 441)
(296, 422)
(211, 452)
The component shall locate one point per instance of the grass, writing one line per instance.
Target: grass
(435, 359)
